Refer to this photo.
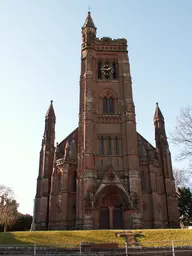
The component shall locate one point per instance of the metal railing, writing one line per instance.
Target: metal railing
(172, 248)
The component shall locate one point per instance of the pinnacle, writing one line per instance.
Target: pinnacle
(158, 113)
(50, 112)
(67, 145)
(89, 21)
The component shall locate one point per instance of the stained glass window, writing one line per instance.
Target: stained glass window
(102, 145)
(109, 146)
(105, 105)
(111, 107)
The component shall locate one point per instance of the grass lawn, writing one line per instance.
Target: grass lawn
(155, 237)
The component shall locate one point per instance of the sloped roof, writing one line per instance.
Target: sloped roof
(50, 112)
(158, 113)
(89, 22)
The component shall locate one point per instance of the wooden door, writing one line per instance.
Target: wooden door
(104, 218)
(118, 218)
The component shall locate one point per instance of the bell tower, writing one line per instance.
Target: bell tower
(107, 137)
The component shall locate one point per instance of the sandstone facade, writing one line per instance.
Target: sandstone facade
(105, 175)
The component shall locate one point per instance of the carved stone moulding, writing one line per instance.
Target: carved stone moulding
(59, 162)
(111, 175)
(59, 172)
(109, 118)
(135, 200)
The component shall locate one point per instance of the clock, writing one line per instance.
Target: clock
(107, 70)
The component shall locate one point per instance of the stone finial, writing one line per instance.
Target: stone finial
(89, 21)
(50, 112)
(158, 113)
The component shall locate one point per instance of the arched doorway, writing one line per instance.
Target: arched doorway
(111, 202)
(118, 218)
(104, 218)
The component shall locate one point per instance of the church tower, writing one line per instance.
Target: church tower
(109, 183)
(104, 174)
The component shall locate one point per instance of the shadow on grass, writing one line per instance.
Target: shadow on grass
(64, 239)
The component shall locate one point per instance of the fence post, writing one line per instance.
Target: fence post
(173, 249)
(126, 247)
(35, 249)
(80, 249)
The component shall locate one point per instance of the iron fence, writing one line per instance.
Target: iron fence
(172, 248)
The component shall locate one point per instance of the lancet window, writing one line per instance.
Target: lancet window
(102, 145)
(116, 145)
(109, 145)
(108, 105)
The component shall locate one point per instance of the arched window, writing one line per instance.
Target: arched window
(111, 107)
(116, 145)
(99, 71)
(109, 146)
(108, 105)
(114, 70)
(105, 105)
(102, 145)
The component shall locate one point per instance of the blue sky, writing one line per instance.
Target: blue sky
(40, 61)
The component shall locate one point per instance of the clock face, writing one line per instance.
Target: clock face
(107, 70)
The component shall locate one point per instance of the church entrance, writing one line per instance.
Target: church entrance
(118, 218)
(111, 208)
(104, 218)
(111, 218)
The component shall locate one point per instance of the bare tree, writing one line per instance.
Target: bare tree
(182, 134)
(182, 177)
(8, 207)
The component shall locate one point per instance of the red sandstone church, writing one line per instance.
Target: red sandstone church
(105, 175)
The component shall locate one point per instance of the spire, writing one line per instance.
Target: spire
(159, 126)
(89, 22)
(50, 112)
(158, 114)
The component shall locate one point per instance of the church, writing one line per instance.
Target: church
(104, 174)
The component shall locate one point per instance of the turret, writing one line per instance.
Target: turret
(45, 171)
(88, 31)
(50, 119)
(163, 149)
(159, 124)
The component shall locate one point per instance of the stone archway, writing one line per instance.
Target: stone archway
(104, 218)
(111, 203)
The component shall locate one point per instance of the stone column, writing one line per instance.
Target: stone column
(136, 198)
